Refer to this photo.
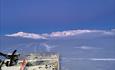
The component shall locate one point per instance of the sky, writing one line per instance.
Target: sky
(86, 28)
(45, 16)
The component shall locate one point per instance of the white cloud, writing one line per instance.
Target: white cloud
(80, 32)
(102, 59)
(48, 47)
(27, 35)
(61, 34)
(87, 59)
(68, 33)
(87, 48)
(113, 29)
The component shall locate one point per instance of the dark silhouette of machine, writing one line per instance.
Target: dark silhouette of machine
(13, 59)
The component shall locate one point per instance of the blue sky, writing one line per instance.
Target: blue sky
(90, 49)
(43, 16)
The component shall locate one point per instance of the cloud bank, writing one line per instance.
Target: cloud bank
(61, 34)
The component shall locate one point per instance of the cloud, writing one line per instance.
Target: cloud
(65, 59)
(61, 34)
(102, 59)
(86, 48)
(113, 30)
(80, 32)
(27, 35)
(68, 33)
(48, 47)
